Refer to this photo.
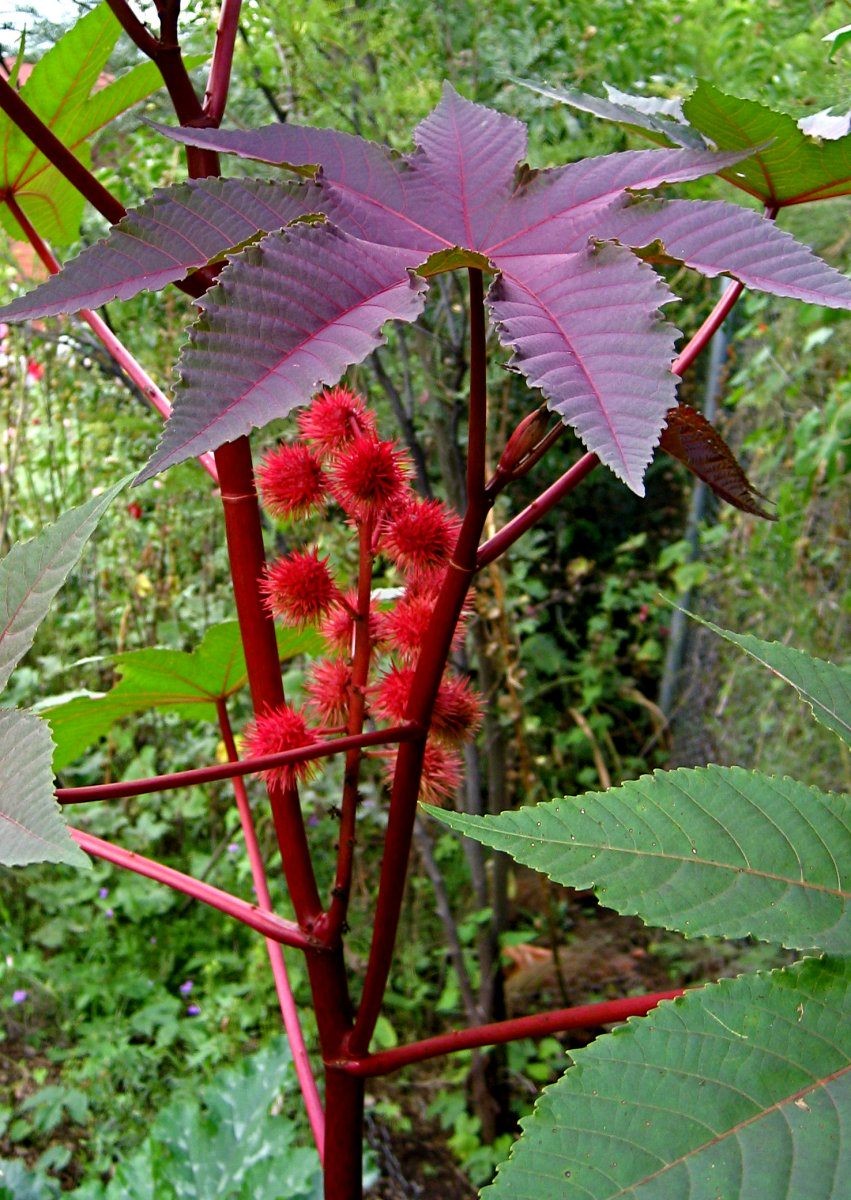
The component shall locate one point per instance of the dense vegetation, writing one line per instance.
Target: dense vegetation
(112, 989)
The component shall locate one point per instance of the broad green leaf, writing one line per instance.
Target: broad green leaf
(711, 850)
(32, 573)
(792, 169)
(31, 826)
(738, 1091)
(59, 91)
(188, 683)
(825, 686)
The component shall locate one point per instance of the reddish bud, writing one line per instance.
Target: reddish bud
(523, 442)
(135, 510)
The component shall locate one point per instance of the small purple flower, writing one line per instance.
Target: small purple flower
(193, 1010)
(103, 892)
(19, 995)
(108, 912)
(152, 939)
(233, 847)
(186, 987)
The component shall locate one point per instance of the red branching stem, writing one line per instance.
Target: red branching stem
(357, 708)
(289, 1011)
(135, 29)
(584, 1016)
(267, 923)
(113, 345)
(58, 154)
(701, 339)
(430, 667)
(247, 560)
(533, 512)
(218, 80)
(164, 52)
(233, 770)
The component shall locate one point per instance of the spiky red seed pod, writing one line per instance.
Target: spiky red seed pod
(329, 690)
(273, 732)
(338, 627)
(368, 475)
(299, 587)
(442, 772)
(457, 708)
(403, 627)
(291, 481)
(335, 417)
(420, 535)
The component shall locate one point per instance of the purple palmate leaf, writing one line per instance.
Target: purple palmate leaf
(605, 372)
(586, 330)
(176, 230)
(715, 238)
(287, 316)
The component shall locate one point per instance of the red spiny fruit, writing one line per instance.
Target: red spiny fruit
(368, 475)
(291, 481)
(420, 536)
(338, 627)
(299, 587)
(277, 730)
(329, 690)
(457, 708)
(441, 774)
(335, 417)
(403, 627)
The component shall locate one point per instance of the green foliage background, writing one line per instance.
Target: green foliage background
(102, 955)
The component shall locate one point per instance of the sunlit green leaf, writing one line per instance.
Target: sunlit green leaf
(188, 683)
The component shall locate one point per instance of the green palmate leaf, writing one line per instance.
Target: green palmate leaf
(32, 573)
(59, 91)
(715, 850)
(792, 168)
(31, 827)
(823, 685)
(739, 1091)
(188, 683)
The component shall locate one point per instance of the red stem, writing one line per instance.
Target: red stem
(59, 155)
(267, 923)
(584, 1016)
(232, 770)
(430, 667)
(533, 512)
(357, 708)
(218, 81)
(286, 1000)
